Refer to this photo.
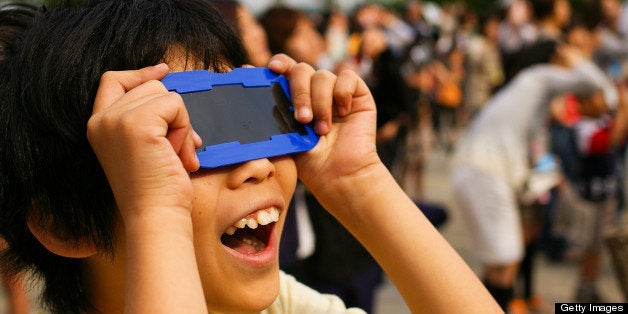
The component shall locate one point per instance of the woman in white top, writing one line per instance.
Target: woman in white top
(492, 159)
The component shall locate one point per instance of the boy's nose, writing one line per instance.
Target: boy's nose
(254, 171)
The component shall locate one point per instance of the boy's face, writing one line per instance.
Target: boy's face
(241, 271)
(239, 265)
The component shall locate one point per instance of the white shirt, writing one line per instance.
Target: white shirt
(295, 297)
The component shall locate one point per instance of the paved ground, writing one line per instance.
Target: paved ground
(555, 281)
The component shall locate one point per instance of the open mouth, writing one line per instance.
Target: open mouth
(251, 234)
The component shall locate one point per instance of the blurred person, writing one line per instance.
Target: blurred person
(416, 69)
(292, 32)
(594, 138)
(252, 33)
(399, 35)
(564, 115)
(336, 33)
(612, 52)
(418, 144)
(595, 182)
(297, 239)
(380, 68)
(484, 73)
(468, 28)
(448, 24)
(552, 16)
(517, 28)
(16, 297)
(413, 16)
(516, 31)
(448, 100)
(297, 242)
(492, 160)
(355, 275)
(623, 19)
(399, 109)
(612, 56)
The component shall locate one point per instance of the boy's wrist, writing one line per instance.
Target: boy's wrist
(158, 221)
(348, 194)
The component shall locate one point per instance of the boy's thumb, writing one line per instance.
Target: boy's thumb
(114, 84)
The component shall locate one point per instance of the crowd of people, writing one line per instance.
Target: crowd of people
(105, 201)
(527, 98)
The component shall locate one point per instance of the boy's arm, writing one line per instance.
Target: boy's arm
(146, 165)
(426, 270)
(347, 177)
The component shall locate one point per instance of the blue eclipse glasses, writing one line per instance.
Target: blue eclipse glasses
(241, 115)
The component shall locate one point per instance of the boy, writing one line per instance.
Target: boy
(123, 219)
(596, 182)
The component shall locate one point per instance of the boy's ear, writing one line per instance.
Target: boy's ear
(53, 243)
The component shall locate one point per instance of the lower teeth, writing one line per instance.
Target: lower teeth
(254, 242)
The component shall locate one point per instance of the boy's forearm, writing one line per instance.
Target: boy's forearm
(162, 244)
(426, 270)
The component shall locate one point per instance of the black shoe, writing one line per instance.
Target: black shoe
(588, 292)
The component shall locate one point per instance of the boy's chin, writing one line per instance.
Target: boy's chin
(251, 298)
(246, 306)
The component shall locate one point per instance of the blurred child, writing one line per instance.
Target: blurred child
(251, 31)
(596, 181)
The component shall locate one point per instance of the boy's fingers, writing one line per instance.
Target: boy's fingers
(198, 141)
(114, 84)
(343, 92)
(349, 87)
(187, 152)
(281, 63)
(322, 87)
(180, 134)
(300, 88)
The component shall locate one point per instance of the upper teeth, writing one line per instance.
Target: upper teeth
(260, 217)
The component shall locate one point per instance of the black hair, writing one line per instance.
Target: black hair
(279, 23)
(595, 14)
(543, 8)
(488, 16)
(13, 21)
(539, 52)
(50, 67)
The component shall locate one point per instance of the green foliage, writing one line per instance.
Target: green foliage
(48, 3)
(476, 5)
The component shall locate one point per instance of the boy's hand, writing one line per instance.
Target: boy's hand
(343, 111)
(144, 141)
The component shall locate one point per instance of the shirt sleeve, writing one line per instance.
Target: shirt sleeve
(585, 76)
(295, 297)
(600, 80)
